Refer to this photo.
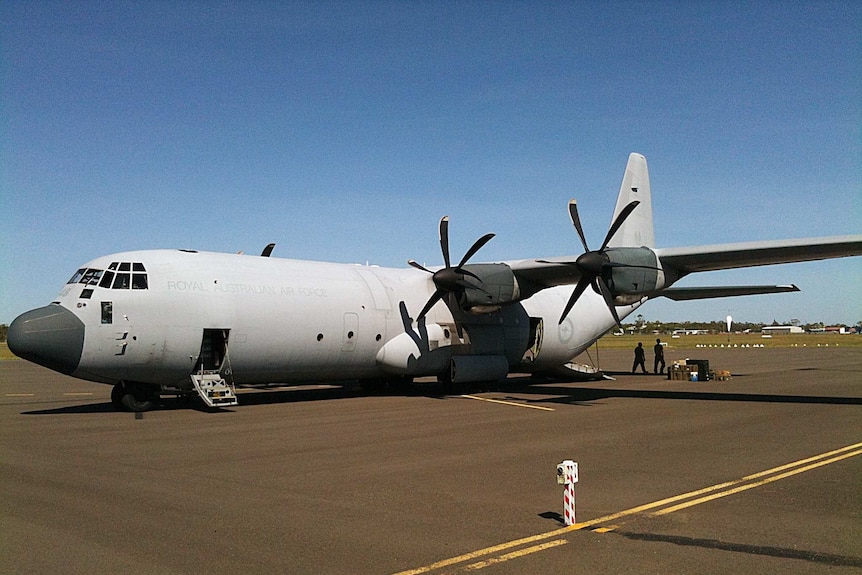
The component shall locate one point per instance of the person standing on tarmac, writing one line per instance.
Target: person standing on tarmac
(659, 356)
(640, 355)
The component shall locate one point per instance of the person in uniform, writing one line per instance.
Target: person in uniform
(659, 357)
(639, 358)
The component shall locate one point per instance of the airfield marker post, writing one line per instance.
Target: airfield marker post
(567, 474)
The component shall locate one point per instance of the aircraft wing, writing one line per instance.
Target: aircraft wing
(748, 254)
(537, 274)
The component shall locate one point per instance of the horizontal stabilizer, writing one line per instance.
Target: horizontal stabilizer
(682, 294)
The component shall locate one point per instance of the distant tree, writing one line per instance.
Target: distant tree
(3, 330)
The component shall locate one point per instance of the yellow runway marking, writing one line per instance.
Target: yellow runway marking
(513, 403)
(71, 394)
(756, 483)
(515, 554)
(20, 394)
(730, 487)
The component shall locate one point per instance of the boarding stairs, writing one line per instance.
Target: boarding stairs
(216, 389)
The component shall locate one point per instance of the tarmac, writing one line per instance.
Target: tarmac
(757, 474)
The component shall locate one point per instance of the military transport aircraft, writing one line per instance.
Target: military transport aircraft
(186, 322)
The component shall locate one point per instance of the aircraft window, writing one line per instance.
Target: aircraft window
(107, 279)
(97, 275)
(139, 281)
(113, 266)
(125, 267)
(122, 281)
(107, 312)
(77, 276)
(138, 267)
(90, 275)
(87, 293)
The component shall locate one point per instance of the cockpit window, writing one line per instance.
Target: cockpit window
(91, 276)
(122, 281)
(112, 280)
(77, 276)
(139, 281)
(106, 280)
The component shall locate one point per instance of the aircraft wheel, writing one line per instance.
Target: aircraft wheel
(401, 384)
(117, 397)
(136, 396)
(372, 386)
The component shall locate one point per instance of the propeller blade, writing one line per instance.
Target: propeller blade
(579, 289)
(419, 266)
(576, 221)
(451, 279)
(444, 239)
(462, 271)
(609, 300)
(621, 218)
(477, 245)
(437, 296)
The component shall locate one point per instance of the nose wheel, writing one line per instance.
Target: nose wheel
(134, 396)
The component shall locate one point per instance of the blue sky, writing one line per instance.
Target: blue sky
(343, 131)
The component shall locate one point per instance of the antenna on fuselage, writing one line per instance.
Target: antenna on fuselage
(267, 250)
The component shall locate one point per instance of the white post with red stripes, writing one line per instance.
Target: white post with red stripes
(567, 474)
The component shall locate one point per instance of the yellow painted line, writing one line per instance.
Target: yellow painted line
(757, 483)
(77, 394)
(724, 485)
(514, 555)
(20, 394)
(486, 551)
(513, 403)
(816, 461)
(605, 529)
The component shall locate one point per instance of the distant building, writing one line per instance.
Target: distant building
(781, 329)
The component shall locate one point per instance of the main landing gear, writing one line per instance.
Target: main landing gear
(134, 396)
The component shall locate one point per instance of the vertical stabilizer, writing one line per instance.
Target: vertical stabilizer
(637, 230)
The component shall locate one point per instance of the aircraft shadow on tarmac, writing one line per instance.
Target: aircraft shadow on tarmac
(255, 396)
(561, 395)
(781, 552)
(587, 395)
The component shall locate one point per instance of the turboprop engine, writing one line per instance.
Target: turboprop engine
(478, 288)
(487, 287)
(631, 273)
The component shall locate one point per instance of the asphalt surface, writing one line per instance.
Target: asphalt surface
(326, 480)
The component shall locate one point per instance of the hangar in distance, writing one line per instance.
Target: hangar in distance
(185, 322)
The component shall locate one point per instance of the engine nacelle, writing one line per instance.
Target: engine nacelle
(498, 286)
(635, 272)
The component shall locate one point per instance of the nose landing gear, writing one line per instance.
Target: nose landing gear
(134, 396)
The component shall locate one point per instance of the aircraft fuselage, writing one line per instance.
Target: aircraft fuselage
(289, 321)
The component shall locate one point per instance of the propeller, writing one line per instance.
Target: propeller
(451, 278)
(593, 263)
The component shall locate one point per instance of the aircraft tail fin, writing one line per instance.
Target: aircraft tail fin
(637, 230)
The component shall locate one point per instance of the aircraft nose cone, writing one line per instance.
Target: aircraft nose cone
(51, 336)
